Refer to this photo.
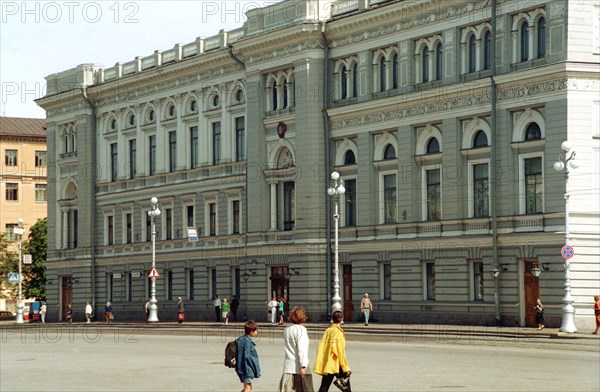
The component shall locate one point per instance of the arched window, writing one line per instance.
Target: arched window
(433, 146)
(382, 78)
(524, 41)
(541, 38)
(533, 132)
(425, 64)
(480, 139)
(438, 61)
(487, 50)
(472, 54)
(389, 152)
(349, 158)
(274, 95)
(285, 94)
(344, 83)
(354, 80)
(395, 71)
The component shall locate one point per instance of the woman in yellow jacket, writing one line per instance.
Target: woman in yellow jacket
(331, 355)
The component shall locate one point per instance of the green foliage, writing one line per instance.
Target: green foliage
(8, 263)
(35, 273)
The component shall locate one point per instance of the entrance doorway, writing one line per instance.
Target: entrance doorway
(66, 295)
(280, 285)
(347, 291)
(532, 292)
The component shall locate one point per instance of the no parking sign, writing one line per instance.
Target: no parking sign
(567, 252)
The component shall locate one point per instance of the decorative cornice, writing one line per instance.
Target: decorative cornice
(286, 51)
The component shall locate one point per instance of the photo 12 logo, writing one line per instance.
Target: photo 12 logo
(69, 11)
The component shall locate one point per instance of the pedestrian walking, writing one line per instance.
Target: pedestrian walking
(247, 365)
(281, 310)
(108, 313)
(69, 314)
(331, 356)
(296, 342)
(180, 310)
(235, 303)
(225, 309)
(597, 313)
(88, 313)
(272, 309)
(217, 305)
(43, 310)
(539, 314)
(366, 307)
(147, 309)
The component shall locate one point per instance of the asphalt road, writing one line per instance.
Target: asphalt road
(133, 359)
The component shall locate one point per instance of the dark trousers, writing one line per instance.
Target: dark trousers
(218, 313)
(327, 380)
(234, 313)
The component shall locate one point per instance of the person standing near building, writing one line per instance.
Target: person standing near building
(69, 314)
(366, 307)
(88, 313)
(43, 310)
(539, 314)
(180, 310)
(217, 305)
(597, 313)
(331, 354)
(147, 309)
(108, 314)
(295, 363)
(247, 365)
(281, 310)
(235, 303)
(225, 309)
(272, 309)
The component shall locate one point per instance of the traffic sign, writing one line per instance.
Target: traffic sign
(13, 277)
(153, 273)
(567, 252)
(27, 259)
(192, 234)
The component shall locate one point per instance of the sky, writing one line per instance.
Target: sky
(39, 38)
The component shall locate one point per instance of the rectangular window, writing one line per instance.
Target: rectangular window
(109, 287)
(190, 216)
(149, 287)
(128, 228)
(148, 227)
(10, 158)
(129, 287)
(350, 203)
(213, 281)
(10, 234)
(533, 186)
(12, 191)
(132, 158)
(389, 198)
(387, 281)
(110, 230)
(237, 282)
(169, 223)
(240, 139)
(41, 159)
(169, 285)
(193, 147)
(114, 162)
(152, 154)
(289, 205)
(433, 194)
(172, 151)
(480, 190)
(478, 281)
(216, 143)
(235, 217)
(212, 216)
(430, 281)
(41, 192)
(190, 284)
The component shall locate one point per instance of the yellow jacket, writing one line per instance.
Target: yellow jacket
(331, 353)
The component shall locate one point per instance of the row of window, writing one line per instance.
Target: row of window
(11, 158)
(12, 192)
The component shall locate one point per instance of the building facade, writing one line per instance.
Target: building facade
(446, 152)
(23, 180)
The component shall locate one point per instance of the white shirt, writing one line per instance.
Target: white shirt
(295, 338)
(217, 302)
(88, 309)
(272, 305)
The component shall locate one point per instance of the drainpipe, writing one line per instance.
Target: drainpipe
(327, 163)
(93, 180)
(493, 179)
(234, 57)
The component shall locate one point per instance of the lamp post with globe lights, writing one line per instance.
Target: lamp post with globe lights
(20, 231)
(336, 189)
(153, 214)
(565, 161)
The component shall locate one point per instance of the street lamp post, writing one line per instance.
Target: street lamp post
(153, 214)
(20, 230)
(566, 160)
(336, 189)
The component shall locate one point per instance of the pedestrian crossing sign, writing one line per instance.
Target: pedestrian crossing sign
(13, 277)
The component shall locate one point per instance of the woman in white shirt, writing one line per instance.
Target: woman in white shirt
(295, 338)
(272, 308)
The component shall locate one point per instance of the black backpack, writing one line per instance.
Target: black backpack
(230, 354)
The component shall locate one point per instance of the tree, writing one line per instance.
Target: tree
(8, 263)
(34, 274)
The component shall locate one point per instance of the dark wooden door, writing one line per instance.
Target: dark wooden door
(347, 291)
(66, 295)
(532, 293)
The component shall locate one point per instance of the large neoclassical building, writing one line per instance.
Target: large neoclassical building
(443, 122)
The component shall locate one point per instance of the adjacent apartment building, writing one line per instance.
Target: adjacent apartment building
(443, 118)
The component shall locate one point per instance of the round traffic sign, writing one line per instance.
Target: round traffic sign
(567, 251)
